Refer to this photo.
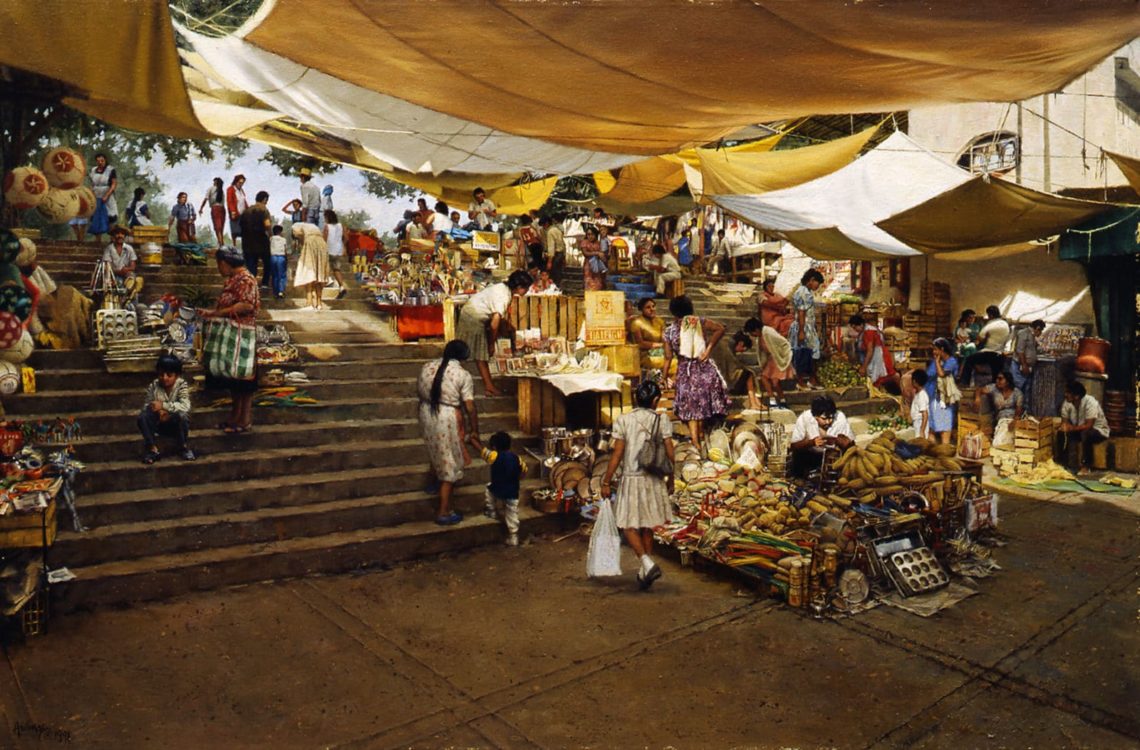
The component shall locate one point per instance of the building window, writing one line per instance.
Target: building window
(992, 152)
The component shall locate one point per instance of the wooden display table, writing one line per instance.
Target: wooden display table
(543, 405)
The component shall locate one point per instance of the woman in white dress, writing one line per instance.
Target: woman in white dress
(333, 232)
(447, 392)
(643, 498)
(313, 263)
(104, 182)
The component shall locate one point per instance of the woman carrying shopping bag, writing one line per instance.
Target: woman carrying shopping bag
(231, 338)
(643, 447)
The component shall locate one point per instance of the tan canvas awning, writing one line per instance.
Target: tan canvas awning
(750, 173)
(987, 211)
(1129, 166)
(559, 88)
(626, 77)
(118, 59)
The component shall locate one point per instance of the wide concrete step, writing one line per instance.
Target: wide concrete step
(130, 398)
(136, 505)
(53, 359)
(192, 533)
(250, 464)
(99, 421)
(164, 576)
(423, 350)
(206, 439)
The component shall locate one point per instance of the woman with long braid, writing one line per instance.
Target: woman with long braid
(447, 394)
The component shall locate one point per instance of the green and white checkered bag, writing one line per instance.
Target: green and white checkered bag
(230, 349)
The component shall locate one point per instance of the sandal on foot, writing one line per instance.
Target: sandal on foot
(450, 519)
(151, 457)
(234, 429)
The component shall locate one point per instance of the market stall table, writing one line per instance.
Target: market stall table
(543, 399)
(415, 321)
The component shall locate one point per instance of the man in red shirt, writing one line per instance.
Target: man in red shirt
(236, 204)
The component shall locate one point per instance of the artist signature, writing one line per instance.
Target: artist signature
(42, 732)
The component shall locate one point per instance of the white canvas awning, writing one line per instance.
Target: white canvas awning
(834, 216)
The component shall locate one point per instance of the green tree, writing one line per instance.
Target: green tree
(355, 219)
(382, 187)
(290, 164)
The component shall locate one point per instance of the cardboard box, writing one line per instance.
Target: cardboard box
(624, 359)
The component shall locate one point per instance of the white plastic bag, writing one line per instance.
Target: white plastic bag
(604, 557)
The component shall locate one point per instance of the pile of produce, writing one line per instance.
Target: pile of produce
(837, 372)
(744, 499)
(877, 470)
(887, 422)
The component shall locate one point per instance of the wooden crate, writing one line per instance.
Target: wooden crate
(553, 315)
(613, 405)
(26, 530)
(1126, 454)
(1032, 433)
(540, 405)
(968, 426)
(543, 405)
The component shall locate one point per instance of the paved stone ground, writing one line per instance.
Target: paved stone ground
(516, 649)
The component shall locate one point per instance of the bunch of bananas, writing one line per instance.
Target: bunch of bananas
(874, 471)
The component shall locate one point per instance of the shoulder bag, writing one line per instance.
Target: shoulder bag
(652, 458)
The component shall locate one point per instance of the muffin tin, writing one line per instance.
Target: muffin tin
(916, 571)
(115, 325)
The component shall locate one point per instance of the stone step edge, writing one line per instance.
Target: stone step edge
(325, 404)
(112, 531)
(122, 497)
(276, 428)
(216, 555)
(127, 390)
(354, 446)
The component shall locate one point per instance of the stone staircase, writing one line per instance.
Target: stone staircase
(311, 490)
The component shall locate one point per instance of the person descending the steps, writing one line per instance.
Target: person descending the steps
(507, 470)
(166, 411)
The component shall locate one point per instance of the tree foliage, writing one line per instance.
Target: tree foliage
(382, 187)
(355, 219)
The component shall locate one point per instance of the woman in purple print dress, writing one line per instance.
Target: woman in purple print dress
(701, 392)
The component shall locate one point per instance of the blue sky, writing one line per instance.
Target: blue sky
(348, 186)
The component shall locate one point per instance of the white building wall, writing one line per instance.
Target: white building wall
(1085, 118)
(1061, 135)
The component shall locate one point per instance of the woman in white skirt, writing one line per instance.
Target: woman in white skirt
(482, 318)
(313, 265)
(643, 499)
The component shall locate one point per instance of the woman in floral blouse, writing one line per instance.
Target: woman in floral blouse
(239, 301)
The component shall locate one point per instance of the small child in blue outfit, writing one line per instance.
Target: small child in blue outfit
(507, 470)
(278, 261)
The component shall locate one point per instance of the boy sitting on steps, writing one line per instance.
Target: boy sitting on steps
(167, 410)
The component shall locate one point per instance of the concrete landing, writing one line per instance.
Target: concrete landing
(515, 648)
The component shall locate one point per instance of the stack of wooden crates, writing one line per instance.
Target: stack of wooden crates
(1032, 445)
(932, 320)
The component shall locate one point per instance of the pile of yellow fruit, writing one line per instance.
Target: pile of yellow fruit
(874, 471)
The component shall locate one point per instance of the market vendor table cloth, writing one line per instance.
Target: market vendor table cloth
(416, 321)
